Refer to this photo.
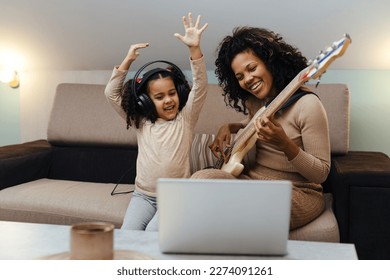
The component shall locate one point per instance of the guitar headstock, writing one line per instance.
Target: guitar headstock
(325, 58)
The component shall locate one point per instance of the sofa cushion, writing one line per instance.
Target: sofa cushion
(98, 124)
(63, 202)
(215, 112)
(201, 156)
(336, 101)
(323, 229)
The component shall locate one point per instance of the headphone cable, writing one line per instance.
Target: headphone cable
(120, 179)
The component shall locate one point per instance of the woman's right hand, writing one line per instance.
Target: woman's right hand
(221, 141)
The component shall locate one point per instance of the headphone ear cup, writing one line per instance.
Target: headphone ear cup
(183, 91)
(145, 103)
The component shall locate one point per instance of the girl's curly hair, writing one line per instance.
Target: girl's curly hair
(282, 60)
(134, 113)
(129, 105)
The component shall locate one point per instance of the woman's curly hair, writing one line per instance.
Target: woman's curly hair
(282, 60)
(134, 113)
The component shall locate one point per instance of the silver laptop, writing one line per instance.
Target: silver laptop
(203, 216)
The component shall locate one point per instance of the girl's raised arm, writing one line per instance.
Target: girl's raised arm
(192, 35)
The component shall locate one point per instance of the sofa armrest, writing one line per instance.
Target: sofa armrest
(25, 162)
(360, 183)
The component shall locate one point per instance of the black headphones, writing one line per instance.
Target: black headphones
(142, 98)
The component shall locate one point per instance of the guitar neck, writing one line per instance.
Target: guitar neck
(268, 111)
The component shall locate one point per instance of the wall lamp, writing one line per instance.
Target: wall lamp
(10, 77)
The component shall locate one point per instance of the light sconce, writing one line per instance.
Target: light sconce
(10, 63)
(10, 77)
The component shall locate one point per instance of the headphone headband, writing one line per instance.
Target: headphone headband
(144, 102)
(137, 74)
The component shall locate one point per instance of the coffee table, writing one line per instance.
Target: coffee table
(27, 241)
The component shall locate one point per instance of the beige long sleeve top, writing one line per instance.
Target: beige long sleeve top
(164, 146)
(306, 123)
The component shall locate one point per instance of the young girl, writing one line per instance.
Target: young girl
(163, 110)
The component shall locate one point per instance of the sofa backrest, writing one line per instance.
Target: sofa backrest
(81, 115)
(335, 98)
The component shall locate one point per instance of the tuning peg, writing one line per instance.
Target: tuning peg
(346, 35)
(318, 58)
(318, 81)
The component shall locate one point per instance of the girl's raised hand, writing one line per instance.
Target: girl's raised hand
(132, 55)
(133, 51)
(192, 32)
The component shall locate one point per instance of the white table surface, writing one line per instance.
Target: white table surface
(27, 241)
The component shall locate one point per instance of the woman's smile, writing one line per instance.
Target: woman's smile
(252, 74)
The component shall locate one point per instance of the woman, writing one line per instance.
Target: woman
(253, 66)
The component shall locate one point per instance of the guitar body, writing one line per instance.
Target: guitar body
(234, 165)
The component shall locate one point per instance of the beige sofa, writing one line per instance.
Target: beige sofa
(68, 178)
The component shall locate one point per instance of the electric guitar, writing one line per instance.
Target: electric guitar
(247, 137)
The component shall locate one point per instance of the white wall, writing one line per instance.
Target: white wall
(9, 115)
(370, 102)
(370, 107)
